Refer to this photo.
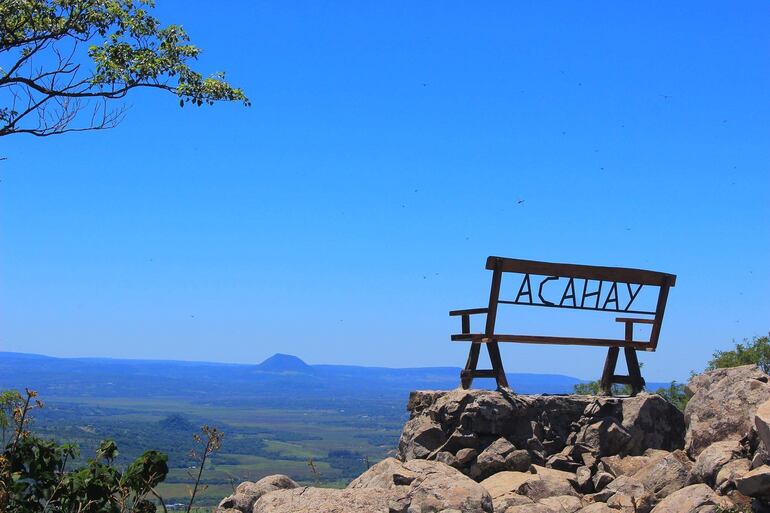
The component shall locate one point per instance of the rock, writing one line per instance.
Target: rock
(247, 493)
(602, 479)
(663, 476)
(725, 478)
(562, 462)
(712, 459)
(466, 456)
(528, 508)
(324, 500)
(604, 437)
(697, 498)
(627, 485)
(653, 423)
(583, 480)
(629, 503)
(506, 482)
(624, 466)
(755, 483)
(723, 405)
(546, 486)
(508, 500)
(543, 483)
(597, 507)
(498, 456)
(423, 484)
(762, 422)
(562, 503)
(419, 438)
(447, 458)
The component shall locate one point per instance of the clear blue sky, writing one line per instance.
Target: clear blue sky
(383, 160)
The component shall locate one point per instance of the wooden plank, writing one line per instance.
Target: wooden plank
(609, 370)
(497, 364)
(588, 272)
(468, 311)
(482, 338)
(660, 309)
(634, 320)
(470, 365)
(610, 310)
(479, 373)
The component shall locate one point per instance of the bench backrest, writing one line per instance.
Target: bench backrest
(576, 293)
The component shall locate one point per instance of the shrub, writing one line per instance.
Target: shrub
(35, 478)
(755, 351)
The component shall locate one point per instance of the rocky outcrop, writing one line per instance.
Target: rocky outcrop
(469, 451)
(723, 405)
(488, 431)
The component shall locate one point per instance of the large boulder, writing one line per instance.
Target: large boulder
(325, 500)
(697, 498)
(424, 484)
(755, 483)
(664, 475)
(711, 460)
(500, 455)
(247, 493)
(762, 422)
(723, 405)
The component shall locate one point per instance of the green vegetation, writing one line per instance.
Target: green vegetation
(755, 351)
(339, 435)
(39, 475)
(67, 59)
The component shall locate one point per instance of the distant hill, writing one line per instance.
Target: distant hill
(285, 363)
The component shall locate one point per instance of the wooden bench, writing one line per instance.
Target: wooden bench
(530, 293)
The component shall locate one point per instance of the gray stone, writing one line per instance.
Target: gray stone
(725, 478)
(324, 500)
(755, 483)
(712, 459)
(562, 503)
(247, 493)
(546, 486)
(466, 456)
(602, 479)
(419, 438)
(723, 405)
(583, 479)
(697, 498)
(663, 476)
(424, 484)
(762, 422)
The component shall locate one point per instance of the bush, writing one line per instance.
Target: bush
(35, 478)
(755, 351)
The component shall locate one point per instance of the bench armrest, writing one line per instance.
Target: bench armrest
(634, 320)
(466, 316)
(469, 311)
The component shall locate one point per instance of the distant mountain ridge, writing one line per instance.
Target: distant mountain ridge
(279, 379)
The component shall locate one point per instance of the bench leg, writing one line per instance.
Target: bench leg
(466, 376)
(497, 364)
(609, 371)
(634, 372)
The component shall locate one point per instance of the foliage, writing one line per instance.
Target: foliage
(674, 393)
(595, 388)
(755, 351)
(67, 59)
(35, 476)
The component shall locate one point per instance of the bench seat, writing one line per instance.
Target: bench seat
(481, 338)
